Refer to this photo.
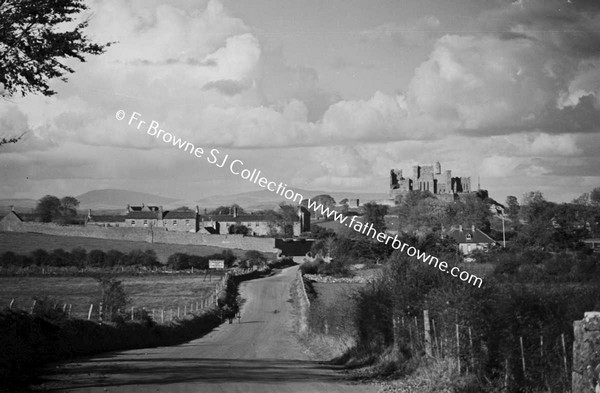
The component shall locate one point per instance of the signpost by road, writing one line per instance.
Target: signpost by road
(216, 264)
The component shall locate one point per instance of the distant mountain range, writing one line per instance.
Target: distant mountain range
(113, 199)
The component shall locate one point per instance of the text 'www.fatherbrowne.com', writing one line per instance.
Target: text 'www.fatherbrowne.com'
(236, 167)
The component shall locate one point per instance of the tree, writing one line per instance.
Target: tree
(595, 196)
(326, 201)
(113, 296)
(375, 214)
(583, 199)
(255, 258)
(535, 207)
(48, 208)
(238, 229)
(68, 206)
(512, 207)
(33, 39)
(228, 210)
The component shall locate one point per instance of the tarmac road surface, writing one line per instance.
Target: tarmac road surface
(261, 354)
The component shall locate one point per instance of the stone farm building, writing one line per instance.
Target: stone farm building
(428, 178)
(192, 221)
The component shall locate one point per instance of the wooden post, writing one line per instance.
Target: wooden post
(64, 308)
(153, 314)
(564, 348)
(417, 335)
(69, 313)
(412, 345)
(184, 309)
(132, 313)
(427, 333)
(542, 347)
(196, 306)
(458, 347)
(435, 339)
(471, 348)
(12, 302)
(522, 354)
(33, 306)
(171, 314)
(162, 316)
(177, 311)
(90, 312)
(506, 375)
(396, 333)
(100, 312)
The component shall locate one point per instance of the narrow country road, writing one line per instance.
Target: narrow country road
(261, 354)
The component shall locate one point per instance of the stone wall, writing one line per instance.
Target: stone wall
(154, 235)
(586, 354)
(303, 303)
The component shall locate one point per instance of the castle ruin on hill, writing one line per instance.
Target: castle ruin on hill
(428, 178)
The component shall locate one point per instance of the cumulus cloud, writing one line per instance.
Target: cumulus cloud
(530, 78)
(420, 32)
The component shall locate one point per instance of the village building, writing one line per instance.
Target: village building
(192, 221)
(470, 239)
(257, 224)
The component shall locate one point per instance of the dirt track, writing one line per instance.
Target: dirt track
(260, 354)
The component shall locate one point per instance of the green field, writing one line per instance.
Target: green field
(156, 291)
(24, 243)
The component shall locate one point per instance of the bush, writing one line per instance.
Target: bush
(179, 261)
(113, 297)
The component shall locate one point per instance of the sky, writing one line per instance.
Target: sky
(321, 95)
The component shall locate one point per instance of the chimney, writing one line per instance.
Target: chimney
(234, 211)
(473, 228)
(197, 210)
(460, 228)
(12, 208)
(128, 208)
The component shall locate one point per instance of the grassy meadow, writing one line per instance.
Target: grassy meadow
(24, 243)
(151, 291)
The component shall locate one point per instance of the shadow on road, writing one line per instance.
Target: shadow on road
(165, 370)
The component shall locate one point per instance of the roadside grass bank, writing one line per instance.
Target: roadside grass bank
(30, 341)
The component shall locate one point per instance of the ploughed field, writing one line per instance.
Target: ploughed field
(24, 243)
(152, 291)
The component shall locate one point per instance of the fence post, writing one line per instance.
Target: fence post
(100, 312)
(153, 314)
(184, 310)
(435, 340)
(177, 311)
(458, 347)
(69, 313)
(196, 306)
(12, 302)
(564, 348)
(162, 316)
(427, 333)
(471, 349)
(522, 354)
(132, 313)
(90, 312)
(33, 306)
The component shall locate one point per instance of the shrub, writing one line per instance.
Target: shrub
(113, 297)
(96, 258)
(179, 261)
